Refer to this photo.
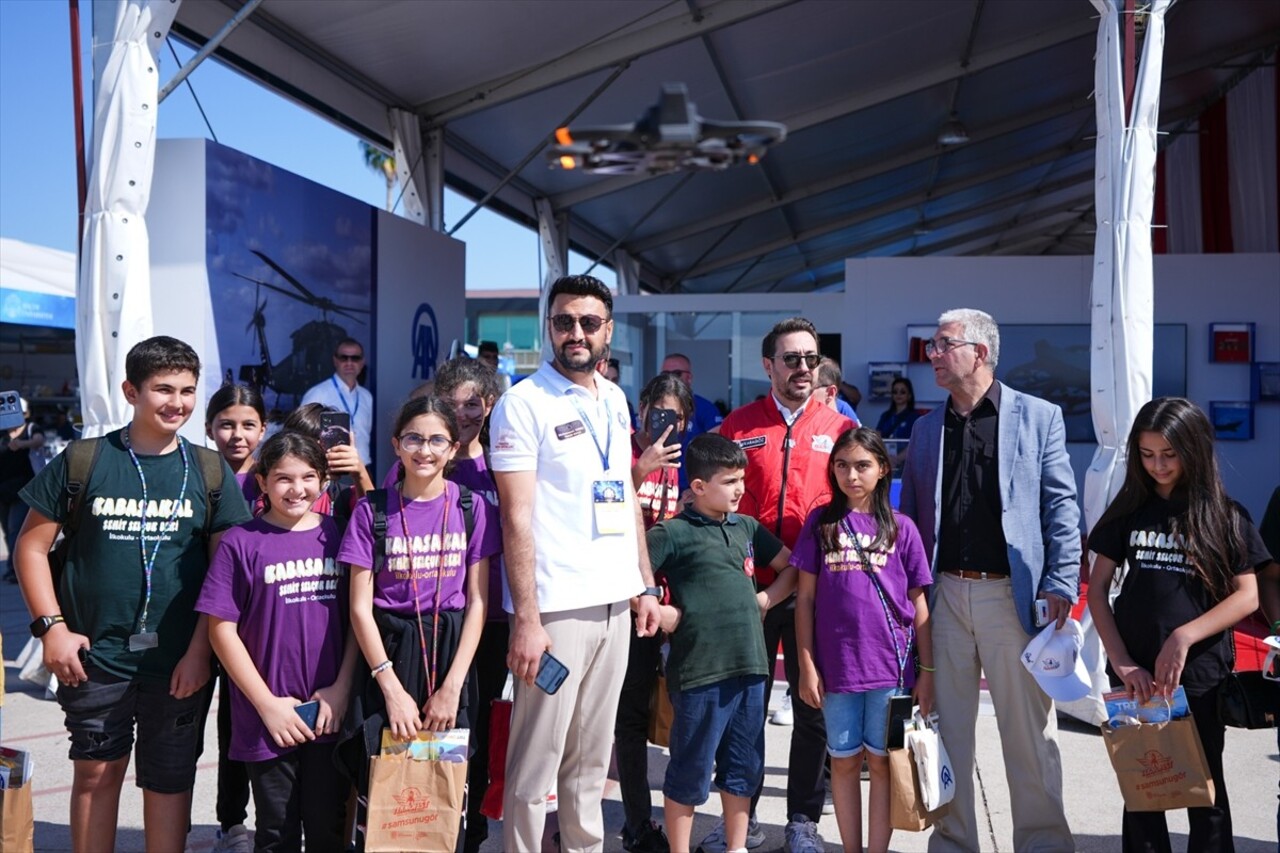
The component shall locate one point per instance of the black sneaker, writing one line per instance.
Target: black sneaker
(650, 839)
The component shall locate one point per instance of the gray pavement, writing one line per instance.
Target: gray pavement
(1093, 801)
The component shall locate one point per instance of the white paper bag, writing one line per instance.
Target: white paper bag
(937, 779)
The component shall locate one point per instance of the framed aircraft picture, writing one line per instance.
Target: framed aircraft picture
(1232, 421)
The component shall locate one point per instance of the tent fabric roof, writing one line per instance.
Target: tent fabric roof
(864, 88)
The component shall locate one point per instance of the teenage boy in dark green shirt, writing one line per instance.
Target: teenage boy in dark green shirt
(718, 663)
(121, 632)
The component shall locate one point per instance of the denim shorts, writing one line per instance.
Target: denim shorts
(716, 727)
(100, 715)
(857, 721)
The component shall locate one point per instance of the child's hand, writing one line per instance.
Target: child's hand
(402, 711)
(668, 618)
(1169, 663)
(333, 707)
(922, 695)
(283, 723)
(659, 455)
(441, 711)
(762, 599)
(1136, 680)
(343, 459)
(811, 688)
(62, 654)
(191, 673)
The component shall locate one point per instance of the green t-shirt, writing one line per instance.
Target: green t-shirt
(710, 568)
(103, 584)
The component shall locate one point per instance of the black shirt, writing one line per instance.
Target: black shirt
(1161, 592)
(970, 535)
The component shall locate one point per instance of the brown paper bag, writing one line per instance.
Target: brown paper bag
(414, 805)
(660, 713)
(1160, 766)
(906, 806)
(17, 821)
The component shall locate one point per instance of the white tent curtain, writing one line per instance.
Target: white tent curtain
(1182, 194)
(1122, 293)
(406, 135)
(113, 295)
(628, 272)
(1251, 139)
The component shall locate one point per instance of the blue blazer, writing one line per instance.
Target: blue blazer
(1041, 518)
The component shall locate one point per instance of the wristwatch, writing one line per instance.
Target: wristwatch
(41, 626)
(655, 591)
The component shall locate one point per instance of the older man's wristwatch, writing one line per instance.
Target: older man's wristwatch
(655, 591)
(41, 626)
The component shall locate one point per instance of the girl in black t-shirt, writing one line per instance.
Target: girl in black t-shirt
(1190, 553)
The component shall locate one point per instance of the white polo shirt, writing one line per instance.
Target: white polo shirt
(539, 426)
(334, 394)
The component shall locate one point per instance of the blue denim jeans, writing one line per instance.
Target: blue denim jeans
(716, 727)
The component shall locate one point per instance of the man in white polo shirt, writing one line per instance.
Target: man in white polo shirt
(576, 562)
(342, 392)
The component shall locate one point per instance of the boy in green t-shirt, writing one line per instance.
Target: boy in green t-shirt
(718, 663)
(121, 632)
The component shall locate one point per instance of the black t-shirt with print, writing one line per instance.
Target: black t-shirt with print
(1161, 591)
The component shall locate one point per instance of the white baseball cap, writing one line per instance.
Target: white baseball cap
(1053, 657)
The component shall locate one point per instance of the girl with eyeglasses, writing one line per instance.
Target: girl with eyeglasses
(1191, 555)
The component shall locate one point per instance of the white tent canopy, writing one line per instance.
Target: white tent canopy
(37, 285)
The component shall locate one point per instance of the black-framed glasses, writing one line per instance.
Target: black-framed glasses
(413, 442)
(793, 359)
(945, 345)
(346, 356)
(590, 323)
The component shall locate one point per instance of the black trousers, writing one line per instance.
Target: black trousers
(232, 806)
(491, 676)
(631, 730)
(299, 793)
(1210, 828)
(805, 787)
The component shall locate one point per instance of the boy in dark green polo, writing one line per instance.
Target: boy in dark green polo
(718, 663)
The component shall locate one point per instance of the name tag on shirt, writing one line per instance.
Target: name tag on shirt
(569, 430)
(753, 443)
(609, 500)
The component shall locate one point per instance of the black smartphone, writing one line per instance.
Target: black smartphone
(900, 711)
(309, 712)
(659, 420)
(335, 429)
(551, 674)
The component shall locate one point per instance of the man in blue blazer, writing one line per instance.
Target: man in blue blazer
(989, 484)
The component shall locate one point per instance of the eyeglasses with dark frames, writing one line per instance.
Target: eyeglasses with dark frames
(564, 323)
(346, 356)
(792, 359)
(413, 442)
(945, 345)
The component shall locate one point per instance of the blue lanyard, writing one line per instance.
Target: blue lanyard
(608, 435)
(149, 562)
(900, 653)
(343, 400)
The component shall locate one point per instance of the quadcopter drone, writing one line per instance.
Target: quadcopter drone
(669, 136)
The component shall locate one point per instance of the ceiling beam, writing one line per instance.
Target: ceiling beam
(593, 57)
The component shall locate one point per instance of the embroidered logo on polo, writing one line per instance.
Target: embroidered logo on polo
(756, 441)
(570, 430)
(749, 564)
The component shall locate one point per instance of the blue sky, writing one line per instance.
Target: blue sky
(37, 143)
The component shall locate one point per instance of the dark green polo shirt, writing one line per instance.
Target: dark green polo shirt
(710, 568)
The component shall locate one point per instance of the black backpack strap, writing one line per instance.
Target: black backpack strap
(82, 456)
(210, 462)
(377, 499)
(466, 500)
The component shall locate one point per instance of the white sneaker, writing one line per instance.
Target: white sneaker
(801, 836)
(783, 716)
(234, 840)
(715, 840)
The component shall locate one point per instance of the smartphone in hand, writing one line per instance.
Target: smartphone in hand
(551, 674)
(659, 420)
(335, 429)
(309, 712)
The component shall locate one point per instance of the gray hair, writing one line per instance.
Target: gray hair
(979, 327)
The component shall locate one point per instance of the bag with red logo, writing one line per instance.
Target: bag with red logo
(414, 805)
(1159, 766)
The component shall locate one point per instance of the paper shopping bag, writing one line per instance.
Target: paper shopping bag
(906, 806)
(937, 778)
(499, 736)
(414, 806)
(17, 820)
(1160, 766)
(660, 713)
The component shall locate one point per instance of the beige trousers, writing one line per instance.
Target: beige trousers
(562, 743)
(975, 631)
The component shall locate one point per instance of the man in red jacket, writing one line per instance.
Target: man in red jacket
(788, 438)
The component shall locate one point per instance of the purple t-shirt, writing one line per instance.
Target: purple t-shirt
(393, 586)
(287, 595)
(474, 473)
(248, 487)
(854, 648)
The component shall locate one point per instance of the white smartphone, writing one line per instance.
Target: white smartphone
(1042, 612)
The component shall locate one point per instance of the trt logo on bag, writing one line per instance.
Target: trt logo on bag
(411, 800)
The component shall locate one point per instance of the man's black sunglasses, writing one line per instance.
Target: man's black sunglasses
(590, 323)
(792, 359)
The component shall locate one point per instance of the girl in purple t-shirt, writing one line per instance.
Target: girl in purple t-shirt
(276, 600)
(859, 609)
(418, 607)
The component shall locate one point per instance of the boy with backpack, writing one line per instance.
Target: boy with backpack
(118, 624)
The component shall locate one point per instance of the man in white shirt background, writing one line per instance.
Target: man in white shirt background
(342, 392)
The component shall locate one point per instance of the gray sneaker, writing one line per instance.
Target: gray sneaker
(801, 836)
(715, 841)
(234, 840)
